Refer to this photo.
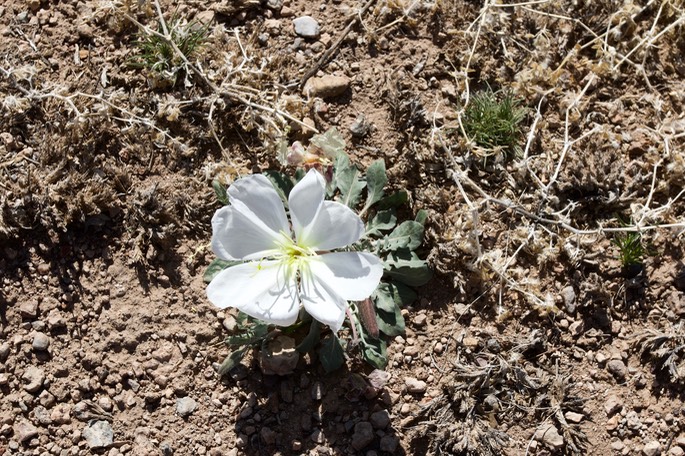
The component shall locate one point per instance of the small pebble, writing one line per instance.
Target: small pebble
(33, 378)
(618, 369)
(613, 405)
(98, 434)
(41, 341)
(414, 385)
(307, 27)
(363, 435)
(652, 448)
(185, 406)
(380, 419)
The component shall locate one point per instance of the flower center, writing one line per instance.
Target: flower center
(291, 252)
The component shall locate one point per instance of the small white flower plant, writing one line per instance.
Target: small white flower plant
(294, 251)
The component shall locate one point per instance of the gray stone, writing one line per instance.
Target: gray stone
(42, 415)
(389, 443)
(41, 341)
(363, 435)
(617, 445)
(550, 437)
(98, 434)
(652, 448)
(380, 419)
(414, 385)
(360, 127)
(268, 436)
(307, 27)
(29, 309)
(33, 378)
(613, 405)
(618, 369)
(185, 406)
(328, 86)
(568, 294)
(25, 431)
(4, 351)
(61, 414)
(633, 421)
(573, 417)
(420, 320)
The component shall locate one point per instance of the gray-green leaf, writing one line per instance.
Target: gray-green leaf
(331, 142)
(232, 361)
(408, 235)
(312, 338)
(347, 179)
(375, 182)
(331, 354)
(216, 267)
(220, 192)
(382, 221)
(390, 323)
(374, 352)
(405, 266)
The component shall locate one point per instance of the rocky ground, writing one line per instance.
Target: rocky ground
(533, 338)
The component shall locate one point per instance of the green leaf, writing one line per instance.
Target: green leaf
(391, 323)
(388, 313)
(232, 361)
(331, 143)
(220, 192)
(331, 354)
(382, 221)
(375, 182)
(421, 217)
(374, 352)
(216, 267)
(251, 336)
(347, 179)
(405, 266)
(406, 236)
(282, 183)
(384, 298)
(396, 199)
(404, 295)
(311, 339)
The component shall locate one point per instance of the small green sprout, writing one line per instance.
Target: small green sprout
(492, 121)
(158, 55)
(631, 250)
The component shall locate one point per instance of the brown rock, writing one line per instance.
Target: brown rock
(328, 86)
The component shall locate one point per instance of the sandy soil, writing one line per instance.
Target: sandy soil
(532, 338)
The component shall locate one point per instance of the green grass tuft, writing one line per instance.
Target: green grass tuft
(157, 55)
(631, 250)
(492, 121)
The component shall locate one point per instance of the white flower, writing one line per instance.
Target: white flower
(282, 272)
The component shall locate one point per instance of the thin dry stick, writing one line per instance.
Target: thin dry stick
(568, 143)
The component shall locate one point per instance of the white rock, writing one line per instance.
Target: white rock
(98, 434)
(652, 448)
(307, 27)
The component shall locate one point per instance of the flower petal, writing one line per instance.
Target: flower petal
(319, 224)
(304, 201)
(351, 275)
(335, 226)
(322, 303)
(262, 289)
(249, 228)
(239, 236)
(255, 196)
